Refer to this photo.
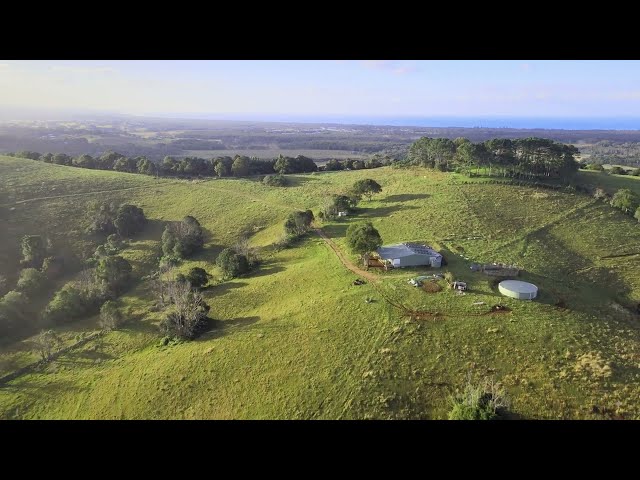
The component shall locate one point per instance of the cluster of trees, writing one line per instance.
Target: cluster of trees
(524, 157)
(125, 220)
(17, 311)
(223, 166)
(298, 223)
(606, 151)
(375, 161)
(626, 201)
(348, 201)
(182, 239)
(615, 170)
(187, 310)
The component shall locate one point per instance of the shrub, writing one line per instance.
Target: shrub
(449, 277)
(636, 172)
(34, 250)
(129, 220)
(278, 180)
(31, 281)
(617, 171)
(231, 263)
(70, 303)
(110, 315)
(53, 267)
(482, 401)
(637, 214)
(298, 223)
(114, 272)
(188, 313)
(197, 277)
(625, 200)
(596, 167)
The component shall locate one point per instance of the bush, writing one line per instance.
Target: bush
(231, 263)
(617, 171)
(197, 277)
(31, 281)
(596, 167)
(625, 200)
(482, 401)
(298, 223)
(188, 314)
(278, 180)
(53, 267)
(70, 303)
(110, 315)
(636, 172)
(637, 214)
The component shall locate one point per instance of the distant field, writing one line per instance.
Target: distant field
(297, 340)
(270, 154)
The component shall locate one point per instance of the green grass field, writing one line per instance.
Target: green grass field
(297, 340)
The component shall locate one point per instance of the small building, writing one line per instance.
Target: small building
(410, 255)
(342, 214)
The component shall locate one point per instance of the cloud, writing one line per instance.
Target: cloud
(76, 69)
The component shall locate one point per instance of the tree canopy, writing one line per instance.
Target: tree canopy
(363, 238)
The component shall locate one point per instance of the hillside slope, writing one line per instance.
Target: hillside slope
(297, 340)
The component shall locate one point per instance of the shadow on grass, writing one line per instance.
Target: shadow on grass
(220, 328)
(223, 288)
(382, 211)
(407, 197)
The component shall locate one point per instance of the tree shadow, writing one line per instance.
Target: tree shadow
(223, 288)
(262, 271)
(404, 197)
(383, 211)
(151, 231)
(220, 328)
(336, 230)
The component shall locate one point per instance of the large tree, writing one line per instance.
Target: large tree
(240, 166)
(298, 223)
(366, 187)
(232, 263)
(129, 220)
(363, 238)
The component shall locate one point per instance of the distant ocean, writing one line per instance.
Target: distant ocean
(563, 123)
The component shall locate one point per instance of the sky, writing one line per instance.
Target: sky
(381, 88)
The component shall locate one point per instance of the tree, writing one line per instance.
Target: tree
(114, 272)
(616, 170)
(110, 315)
(366, 187)
(182, 239)
(31, 281)
(53, 267)
(637, 214)
(45, 343)
(34, 250)
(169, 165)
(221, 169)
(145, 166)
(101, 216)
(240, 167)
(636, 172)
(108, 160)
(13, 312)
(125, 164)
(61, 159)
(129, 220)
(231, 263)
(188, 311)
(84, 161)
(625, 200)
(197, 277)
(363, 238)
(298, 223)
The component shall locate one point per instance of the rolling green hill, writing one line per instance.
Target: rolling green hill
(297, 340)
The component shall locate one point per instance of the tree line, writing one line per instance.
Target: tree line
(221, 166)
(521, 158)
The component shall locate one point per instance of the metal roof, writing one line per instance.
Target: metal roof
(399, 250)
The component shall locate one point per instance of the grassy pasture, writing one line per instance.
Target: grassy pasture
(297, 340)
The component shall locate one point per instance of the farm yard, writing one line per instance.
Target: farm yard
(297, 339)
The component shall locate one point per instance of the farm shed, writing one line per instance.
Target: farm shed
(410, 255)
(518, 289)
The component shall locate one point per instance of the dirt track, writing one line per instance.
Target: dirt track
(345, 261)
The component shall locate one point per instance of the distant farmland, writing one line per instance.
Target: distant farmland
(318, 155)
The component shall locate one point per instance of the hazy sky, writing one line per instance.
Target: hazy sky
(377, 88)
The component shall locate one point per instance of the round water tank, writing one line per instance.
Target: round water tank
(518, 289)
